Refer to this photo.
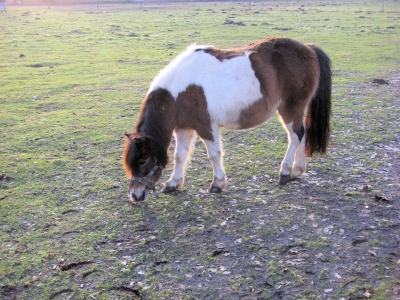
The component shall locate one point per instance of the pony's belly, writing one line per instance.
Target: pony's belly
(231, 125)
(237, 125)
(226, 116)
(255, 113)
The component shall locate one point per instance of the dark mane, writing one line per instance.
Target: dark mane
(156, 123)
(129, 152)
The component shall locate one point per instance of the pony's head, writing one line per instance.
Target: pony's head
(141, 167)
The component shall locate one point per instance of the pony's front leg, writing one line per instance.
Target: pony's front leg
(214, 150)
(184, 145)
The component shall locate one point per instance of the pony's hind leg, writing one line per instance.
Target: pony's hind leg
(293, 161)
(184, 145)
(214, 149)
(299, 165)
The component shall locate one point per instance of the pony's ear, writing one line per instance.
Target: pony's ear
(134, 137)
(139, 140)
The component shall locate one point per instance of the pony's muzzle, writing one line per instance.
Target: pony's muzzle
(132, 197)
(137, 195)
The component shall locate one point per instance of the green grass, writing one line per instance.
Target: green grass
(71, 82)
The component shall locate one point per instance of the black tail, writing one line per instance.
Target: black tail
(319, 111)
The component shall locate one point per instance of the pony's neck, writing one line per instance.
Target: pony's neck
(156, 122)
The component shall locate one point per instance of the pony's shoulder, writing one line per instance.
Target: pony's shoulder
(185, 58)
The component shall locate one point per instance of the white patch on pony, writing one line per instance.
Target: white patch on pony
(184, 146)
(229, 85)
(215, 153)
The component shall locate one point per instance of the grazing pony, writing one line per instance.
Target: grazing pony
(205, 88)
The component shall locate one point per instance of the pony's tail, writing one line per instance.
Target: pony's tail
(319, 110)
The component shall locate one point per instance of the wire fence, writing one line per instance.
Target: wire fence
(139, 2)
(77, 2)
(147, 3)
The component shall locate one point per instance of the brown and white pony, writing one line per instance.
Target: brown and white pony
(205, 88)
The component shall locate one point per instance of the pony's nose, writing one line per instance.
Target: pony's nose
(132, 196)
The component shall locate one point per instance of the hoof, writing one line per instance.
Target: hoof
(284, 179)
(297, 173)
(294, 177)
(214, 189)
(168, 189)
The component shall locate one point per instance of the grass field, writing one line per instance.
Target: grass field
(72, 79)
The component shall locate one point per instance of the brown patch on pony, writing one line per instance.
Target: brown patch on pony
(222, 54)
(262, 109)
(288, 71)
(295, 69)
(192, 112)
(301, 81)
(254, 115)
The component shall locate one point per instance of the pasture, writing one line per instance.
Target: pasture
(72, 79)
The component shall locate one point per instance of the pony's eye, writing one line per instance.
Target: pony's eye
(143, 159)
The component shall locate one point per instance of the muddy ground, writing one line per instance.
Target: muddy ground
(335, 234)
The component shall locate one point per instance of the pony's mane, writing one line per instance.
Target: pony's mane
(156, 123)
(195, 47)
(129, 154)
